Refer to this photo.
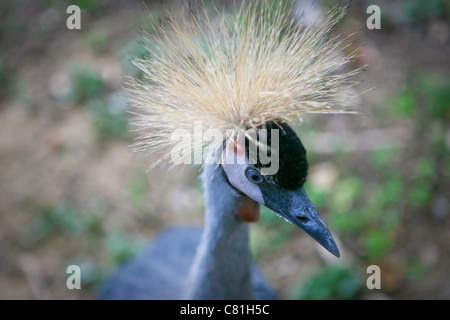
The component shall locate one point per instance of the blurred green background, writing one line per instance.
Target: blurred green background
(71, 192)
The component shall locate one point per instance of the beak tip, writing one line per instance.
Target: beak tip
(336, 252)
(331, 247)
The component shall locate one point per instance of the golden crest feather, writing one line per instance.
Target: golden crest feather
(237, 72)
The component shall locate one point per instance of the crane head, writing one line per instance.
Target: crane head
(278, 185)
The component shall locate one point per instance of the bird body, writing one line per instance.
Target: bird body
(159, 272)
(249, 79)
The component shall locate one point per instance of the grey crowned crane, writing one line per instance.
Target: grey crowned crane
(256, 73)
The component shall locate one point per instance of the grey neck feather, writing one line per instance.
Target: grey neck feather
(222, 266)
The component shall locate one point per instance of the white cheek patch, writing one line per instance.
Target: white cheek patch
(235, 172)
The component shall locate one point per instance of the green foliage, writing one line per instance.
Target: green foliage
(109, 119)
(387, 192)
(405, 103)
(4, 73)
(136, 190)
(368, 211)
(436, 93)
(416, 270)
(348, 221)
(381, 159)
(426, 99)
(93, 222)
(96, 39)
(377, 243)
(92, 275)
(421, 194)
(425, 96)
(107, 114)
(318, 196)
(345, 193)
(61, 217)
(84, 85)
(424, 10)
(421, 191)
(373, 211)
(122, 246)
(270, 233)
(91, 6)
(64, 218)
(331, 282)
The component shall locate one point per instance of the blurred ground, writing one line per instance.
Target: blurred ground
(71, 192)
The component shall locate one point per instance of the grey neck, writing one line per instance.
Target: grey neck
(222, 266)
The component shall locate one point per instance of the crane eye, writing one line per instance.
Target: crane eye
(254, 176)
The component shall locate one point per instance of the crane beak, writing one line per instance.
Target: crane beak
(295, 207)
